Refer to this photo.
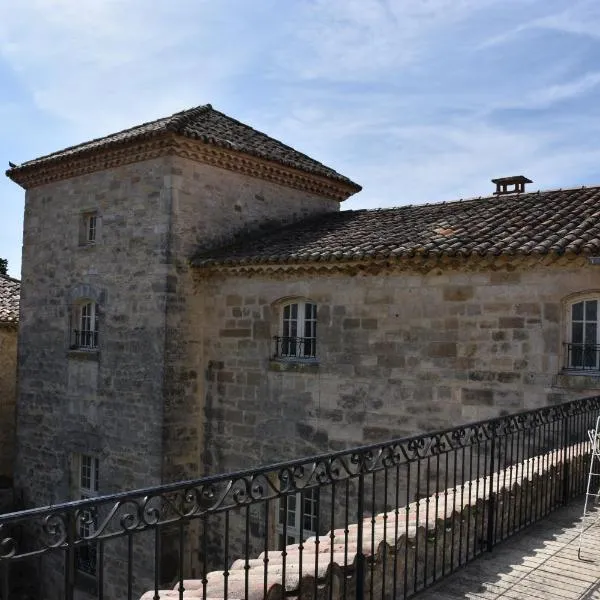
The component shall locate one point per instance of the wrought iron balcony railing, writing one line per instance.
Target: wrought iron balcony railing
(83, 339)
(295, 347)
(386, 519)
(581, 357)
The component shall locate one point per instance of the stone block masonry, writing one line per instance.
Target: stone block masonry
(8, 394)
(136, 402)
(398, 353)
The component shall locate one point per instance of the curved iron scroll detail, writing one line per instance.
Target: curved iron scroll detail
(92, 520)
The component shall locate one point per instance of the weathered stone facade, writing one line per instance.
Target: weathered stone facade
(182, 381)
(135, 402)
(8, 390)
(399, 352)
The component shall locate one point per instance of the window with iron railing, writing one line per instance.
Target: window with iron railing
(298, 337)
(84, 335)
(582, 352)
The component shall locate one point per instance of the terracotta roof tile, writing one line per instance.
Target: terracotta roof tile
(10, 292)
(556, 221)
(208, 125)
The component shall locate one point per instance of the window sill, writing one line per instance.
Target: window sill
(294, 365)
(578, 380)
(84, 354)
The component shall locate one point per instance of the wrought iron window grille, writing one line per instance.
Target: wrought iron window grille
(581, 357)
(295, 347)
(84, 340)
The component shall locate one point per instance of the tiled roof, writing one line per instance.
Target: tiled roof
(549, 222)
(210, 126)
(10, 292)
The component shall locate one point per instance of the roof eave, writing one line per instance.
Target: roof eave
(157, 143)
(52, 167)
(211, 266)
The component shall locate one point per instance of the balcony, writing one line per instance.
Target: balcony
(386, 521)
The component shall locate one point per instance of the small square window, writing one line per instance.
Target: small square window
(89, 228)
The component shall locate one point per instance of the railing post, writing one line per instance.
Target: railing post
(491, 495)
(360, 557)
(70, 556)
(566, 470)
(5, 574)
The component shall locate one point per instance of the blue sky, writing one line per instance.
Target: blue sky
(416, 100)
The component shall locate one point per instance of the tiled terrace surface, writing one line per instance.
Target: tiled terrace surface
(537, 564)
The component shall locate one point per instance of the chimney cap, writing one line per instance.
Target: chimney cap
(503, 184)
(512, 179)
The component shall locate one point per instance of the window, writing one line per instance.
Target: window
(85, 330)
(582, 351)
(298, 337)
(89, 223)
(302, 510)
(90, 228)
(88, 477)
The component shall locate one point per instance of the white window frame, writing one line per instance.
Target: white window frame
(586, 356)
(91, 228)
(85, 319)
(300, 520)
(88, 481)
(298, 330)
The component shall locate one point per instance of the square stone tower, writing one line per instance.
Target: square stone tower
(110, 391)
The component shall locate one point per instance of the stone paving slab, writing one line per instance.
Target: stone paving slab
(540, 563)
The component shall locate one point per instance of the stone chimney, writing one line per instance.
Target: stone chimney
(503, 185)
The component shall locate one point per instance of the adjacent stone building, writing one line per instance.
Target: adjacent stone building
(195, 302)
(9, 322)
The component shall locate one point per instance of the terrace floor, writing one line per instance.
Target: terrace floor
(539, 563)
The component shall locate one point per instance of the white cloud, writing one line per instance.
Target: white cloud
(564, 91)
(581, 18)
(352, 40)
(101, 64)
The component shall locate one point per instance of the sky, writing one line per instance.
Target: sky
(416, 100)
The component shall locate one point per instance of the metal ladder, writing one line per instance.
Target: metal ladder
(591, 516)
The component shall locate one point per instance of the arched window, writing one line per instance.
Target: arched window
(84, 325)
(583, 345)
(298, 330)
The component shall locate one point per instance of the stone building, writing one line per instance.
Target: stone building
(195, 302)
(9, 322)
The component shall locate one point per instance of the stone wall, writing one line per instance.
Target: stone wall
(398, 353)
(135, 402)
(106, 403)
(209, 206)
(8, 390)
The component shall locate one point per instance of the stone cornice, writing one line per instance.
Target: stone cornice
(262, 169)
(415, 265)
(49, 170)
(150, 147)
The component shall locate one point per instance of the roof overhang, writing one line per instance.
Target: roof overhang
(152, 146)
